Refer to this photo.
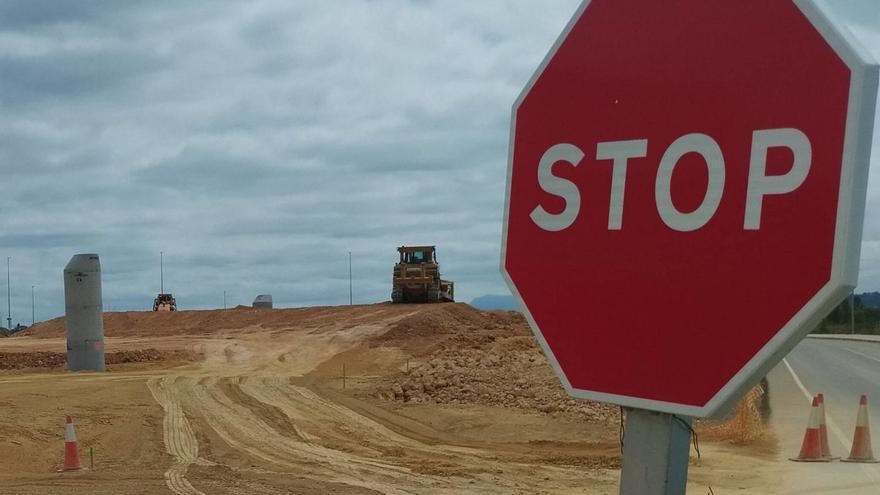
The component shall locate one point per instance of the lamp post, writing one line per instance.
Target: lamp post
(33, 306)
(350, 290)
(852, 312)
(8, 295)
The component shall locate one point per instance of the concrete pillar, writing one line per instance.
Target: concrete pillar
(84, 313)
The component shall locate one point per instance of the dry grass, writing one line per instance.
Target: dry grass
(746, 425)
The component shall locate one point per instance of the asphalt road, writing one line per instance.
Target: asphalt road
(842, 371)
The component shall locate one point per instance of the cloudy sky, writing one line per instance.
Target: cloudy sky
(257, 143)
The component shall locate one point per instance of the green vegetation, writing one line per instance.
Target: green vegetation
(867, 319)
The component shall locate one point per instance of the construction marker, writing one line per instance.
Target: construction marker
(71, 447)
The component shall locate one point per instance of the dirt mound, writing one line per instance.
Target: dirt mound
(411, 321)
(477, 357)
(437, 323)
(493, 371)
(22, 360)
(243, 319)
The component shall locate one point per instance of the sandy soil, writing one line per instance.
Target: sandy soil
(254, 401)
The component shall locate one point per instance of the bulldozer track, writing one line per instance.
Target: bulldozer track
(180, 441)
(261, 413)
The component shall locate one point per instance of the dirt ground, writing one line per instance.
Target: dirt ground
(336, 400)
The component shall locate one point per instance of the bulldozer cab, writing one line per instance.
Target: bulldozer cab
(417, 254)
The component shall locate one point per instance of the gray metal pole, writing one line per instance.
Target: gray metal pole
(852, 312)
(656, 448)
(33, 306)
(350, 289)
(161, 274)
(224, 300)
(8, 295)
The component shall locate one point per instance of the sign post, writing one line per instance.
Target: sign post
(707, 160)
(655, 453)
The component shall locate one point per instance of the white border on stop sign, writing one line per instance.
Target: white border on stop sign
(847, 235)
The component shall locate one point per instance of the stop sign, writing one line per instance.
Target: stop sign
(685, 194)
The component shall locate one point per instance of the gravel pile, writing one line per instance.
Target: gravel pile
(508, 372)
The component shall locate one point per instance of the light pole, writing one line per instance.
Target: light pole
(161, 273)
(350, 290)
(33, 306)
(852, 312)
(8, 295)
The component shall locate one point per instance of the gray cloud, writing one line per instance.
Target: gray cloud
(257, 143)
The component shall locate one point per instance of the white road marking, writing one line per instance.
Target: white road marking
(870, 470)
(798, 381)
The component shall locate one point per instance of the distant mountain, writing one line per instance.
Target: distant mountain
(490, 302)
(870, 299)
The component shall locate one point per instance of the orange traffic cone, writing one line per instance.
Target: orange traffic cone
(811, 450)
(823, 430)
(71, 448)
(861, 446)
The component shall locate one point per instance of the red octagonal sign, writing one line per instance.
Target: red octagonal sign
(686, 193)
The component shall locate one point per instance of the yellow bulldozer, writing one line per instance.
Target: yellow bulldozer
(165, 302)
(416, 277)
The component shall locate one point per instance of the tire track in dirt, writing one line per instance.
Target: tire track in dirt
(269, 411)
(257, 404)
(243, 391)
(366, 439)
(238, 427)
(294, 400)
(180, 441)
